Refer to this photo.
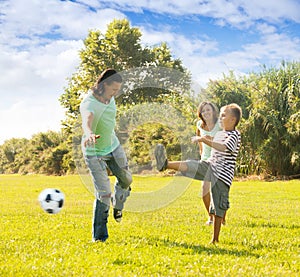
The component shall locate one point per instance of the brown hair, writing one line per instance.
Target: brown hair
(215, 112)
(236, 111)
(108, 76)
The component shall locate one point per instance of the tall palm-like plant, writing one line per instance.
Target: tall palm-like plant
(273, 107)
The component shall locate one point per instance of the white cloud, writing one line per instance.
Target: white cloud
(152, 37)
(30, 85)
(265, 29)
(192, 52)
(206, 60)
(274, 47)
(181, 44)
(29, 116)
(37, 71)
(274, 11)
(238, 13)
(25, 20)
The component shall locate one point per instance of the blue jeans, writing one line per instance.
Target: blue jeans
(117, 163)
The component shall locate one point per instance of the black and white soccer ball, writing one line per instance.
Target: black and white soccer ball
(51, 200)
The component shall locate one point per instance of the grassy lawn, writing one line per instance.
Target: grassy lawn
(261, 237)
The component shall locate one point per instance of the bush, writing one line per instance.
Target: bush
(142, 141)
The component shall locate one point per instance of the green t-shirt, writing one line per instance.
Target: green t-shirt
(103, 124)
(207, 149)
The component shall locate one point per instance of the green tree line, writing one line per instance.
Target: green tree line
(157, 104)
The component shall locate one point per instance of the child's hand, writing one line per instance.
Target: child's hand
(204, 139)
(195, 139)
(207, 138)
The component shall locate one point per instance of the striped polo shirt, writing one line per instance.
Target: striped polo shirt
(223, 163)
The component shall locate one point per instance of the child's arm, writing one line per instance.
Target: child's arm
(209, 141)
(199, 143)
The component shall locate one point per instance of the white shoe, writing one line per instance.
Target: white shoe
(209, 222)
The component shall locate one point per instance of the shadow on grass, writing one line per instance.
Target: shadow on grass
(210, 249)
(270, 225)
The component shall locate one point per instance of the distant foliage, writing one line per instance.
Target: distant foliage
(13, 155)
(44, 153)
(142, 141)
(141, 127)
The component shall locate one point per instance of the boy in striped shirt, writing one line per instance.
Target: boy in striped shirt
(218, 169)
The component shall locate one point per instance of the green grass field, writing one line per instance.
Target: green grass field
(261, 237)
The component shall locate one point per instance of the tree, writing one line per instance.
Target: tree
(10, 153)
(120, 48)
(46, 153)
(169, 120)
(231, 89)
(275, 118)
(43, 153)
(142, 141)
(148, 74)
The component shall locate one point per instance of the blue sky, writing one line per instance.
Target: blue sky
(40, 40)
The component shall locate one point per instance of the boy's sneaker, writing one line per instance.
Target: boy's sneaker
(161, 157)
(209, 222)
(117, 215)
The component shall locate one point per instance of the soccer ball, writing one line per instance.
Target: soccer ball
(51, 200)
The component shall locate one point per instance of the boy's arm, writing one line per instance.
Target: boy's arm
(198, 133)
(209, 141)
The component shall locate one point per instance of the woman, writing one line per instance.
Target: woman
(207, 124)
(102, 150)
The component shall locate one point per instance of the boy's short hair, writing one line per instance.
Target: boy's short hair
(236, 111)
